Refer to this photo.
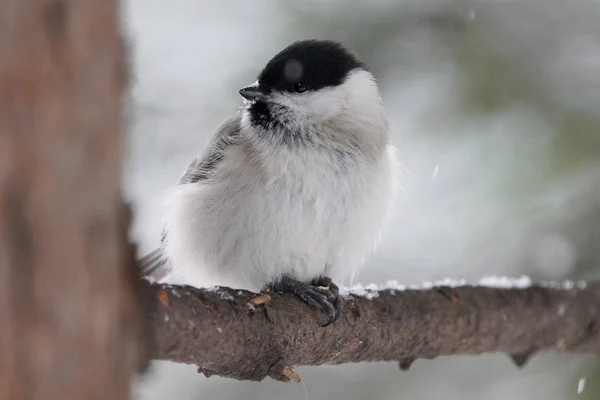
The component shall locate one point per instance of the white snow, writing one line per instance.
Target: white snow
(505, 282)
(222, 294)
(581, 386)
(566, 285)
(371, 290)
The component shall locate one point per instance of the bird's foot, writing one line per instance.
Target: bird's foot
(320, 293)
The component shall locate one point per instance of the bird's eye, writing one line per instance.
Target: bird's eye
(300, 87)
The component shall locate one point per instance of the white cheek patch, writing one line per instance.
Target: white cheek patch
(357, 95)
(313, 105)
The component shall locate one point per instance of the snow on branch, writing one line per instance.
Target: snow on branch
(248, 336)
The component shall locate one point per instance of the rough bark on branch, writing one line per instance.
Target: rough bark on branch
(234, 333)
(70, 307)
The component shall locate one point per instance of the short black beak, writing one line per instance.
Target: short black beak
(252, 92)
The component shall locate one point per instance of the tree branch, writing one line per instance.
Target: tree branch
(246, 336)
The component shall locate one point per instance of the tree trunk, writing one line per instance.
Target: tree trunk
(70, 310)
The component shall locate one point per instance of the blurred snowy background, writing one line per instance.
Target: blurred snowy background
(495, 107)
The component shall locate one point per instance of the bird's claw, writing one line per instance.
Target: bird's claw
(321, 294)
(333, 296)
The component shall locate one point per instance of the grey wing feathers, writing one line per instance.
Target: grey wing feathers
(202, 168)
(154, 264)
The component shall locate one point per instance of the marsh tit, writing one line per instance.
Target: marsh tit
(292, 193)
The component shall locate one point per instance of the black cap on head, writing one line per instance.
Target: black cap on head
(308, 65)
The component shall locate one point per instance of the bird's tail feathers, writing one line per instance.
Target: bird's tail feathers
(154, 265)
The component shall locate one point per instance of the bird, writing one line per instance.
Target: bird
(293, 192)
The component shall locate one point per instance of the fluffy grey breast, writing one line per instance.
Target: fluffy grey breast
(155, 264)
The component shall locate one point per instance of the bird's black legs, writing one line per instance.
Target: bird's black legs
(321, 293)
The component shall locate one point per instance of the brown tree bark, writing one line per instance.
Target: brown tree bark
(234, 333)
(70, 312)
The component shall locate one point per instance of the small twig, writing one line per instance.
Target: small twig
(262, 299)
(163, 297)
(290, 375)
